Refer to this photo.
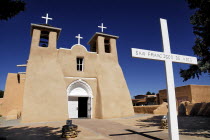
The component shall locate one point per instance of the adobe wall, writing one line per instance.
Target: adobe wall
(152, 109)
(13, 96)
(145, 109)
(67, 61)
(200, 93)
(45, 97)
(1, 102)
(183, 93)
(194, 109)
(162, 109)
(115, 96)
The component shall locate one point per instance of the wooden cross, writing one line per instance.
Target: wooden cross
(168, 58)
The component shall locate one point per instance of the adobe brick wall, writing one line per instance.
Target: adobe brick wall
(145, 109)
(191, 93)
(196, 109)
(1, 102)
(152, 109)
(200, 93)
(13, 96)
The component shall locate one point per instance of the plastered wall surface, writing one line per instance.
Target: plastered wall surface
(13, 96)
(200, 93)
(191, 93)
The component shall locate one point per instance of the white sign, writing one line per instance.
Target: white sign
(146, 54)
(168, 58)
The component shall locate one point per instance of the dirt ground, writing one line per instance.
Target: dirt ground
(192, 128)
(197, 126)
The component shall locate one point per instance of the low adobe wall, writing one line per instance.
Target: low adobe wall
(194, 109)
(145, 109)
(1, 101)
(152, 109)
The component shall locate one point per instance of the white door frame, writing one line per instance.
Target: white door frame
(84, 86)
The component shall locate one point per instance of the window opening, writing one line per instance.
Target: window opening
(80, 62)
(107, 46)
(44, 39)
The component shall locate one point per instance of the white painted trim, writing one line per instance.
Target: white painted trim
(21, 72)
(79, 45)
(81, 78)
(22, 65)
(85, 84)
(44, 26)
(65, 48)
(93, 52)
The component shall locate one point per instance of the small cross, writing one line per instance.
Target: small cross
(79, 37)
(47, 18)
(102, 27)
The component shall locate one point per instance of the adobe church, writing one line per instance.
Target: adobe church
(67, 83)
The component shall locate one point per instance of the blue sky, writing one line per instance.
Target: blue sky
(135, 22)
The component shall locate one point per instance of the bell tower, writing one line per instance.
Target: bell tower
(110, 78)
(44, 35)
(44, 89)
(104, 45)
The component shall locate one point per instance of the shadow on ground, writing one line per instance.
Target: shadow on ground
(188, 125)
(131, 132)
(194, 126)
(153, 121)
(27, 133)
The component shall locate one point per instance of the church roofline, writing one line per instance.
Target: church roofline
(101, 34)
(39, 26)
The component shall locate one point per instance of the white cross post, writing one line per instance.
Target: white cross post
(79, 37)
(168, 58)
(102, 27)
(47, 18)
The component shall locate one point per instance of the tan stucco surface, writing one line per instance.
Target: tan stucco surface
(45, 97)
(13, 96)
(191, 93)
(50, 71)
(200, 93)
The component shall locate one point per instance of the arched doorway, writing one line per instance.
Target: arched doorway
(79, 100)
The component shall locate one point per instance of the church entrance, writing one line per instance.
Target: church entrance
(79, 100)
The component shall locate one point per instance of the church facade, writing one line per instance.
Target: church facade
(67, 83)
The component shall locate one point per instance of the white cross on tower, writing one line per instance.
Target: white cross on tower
(79, 37)
(168, 58)
(47, 18)
(102, 27)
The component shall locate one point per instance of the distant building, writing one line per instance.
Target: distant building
(144, 100)
(191, 93)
